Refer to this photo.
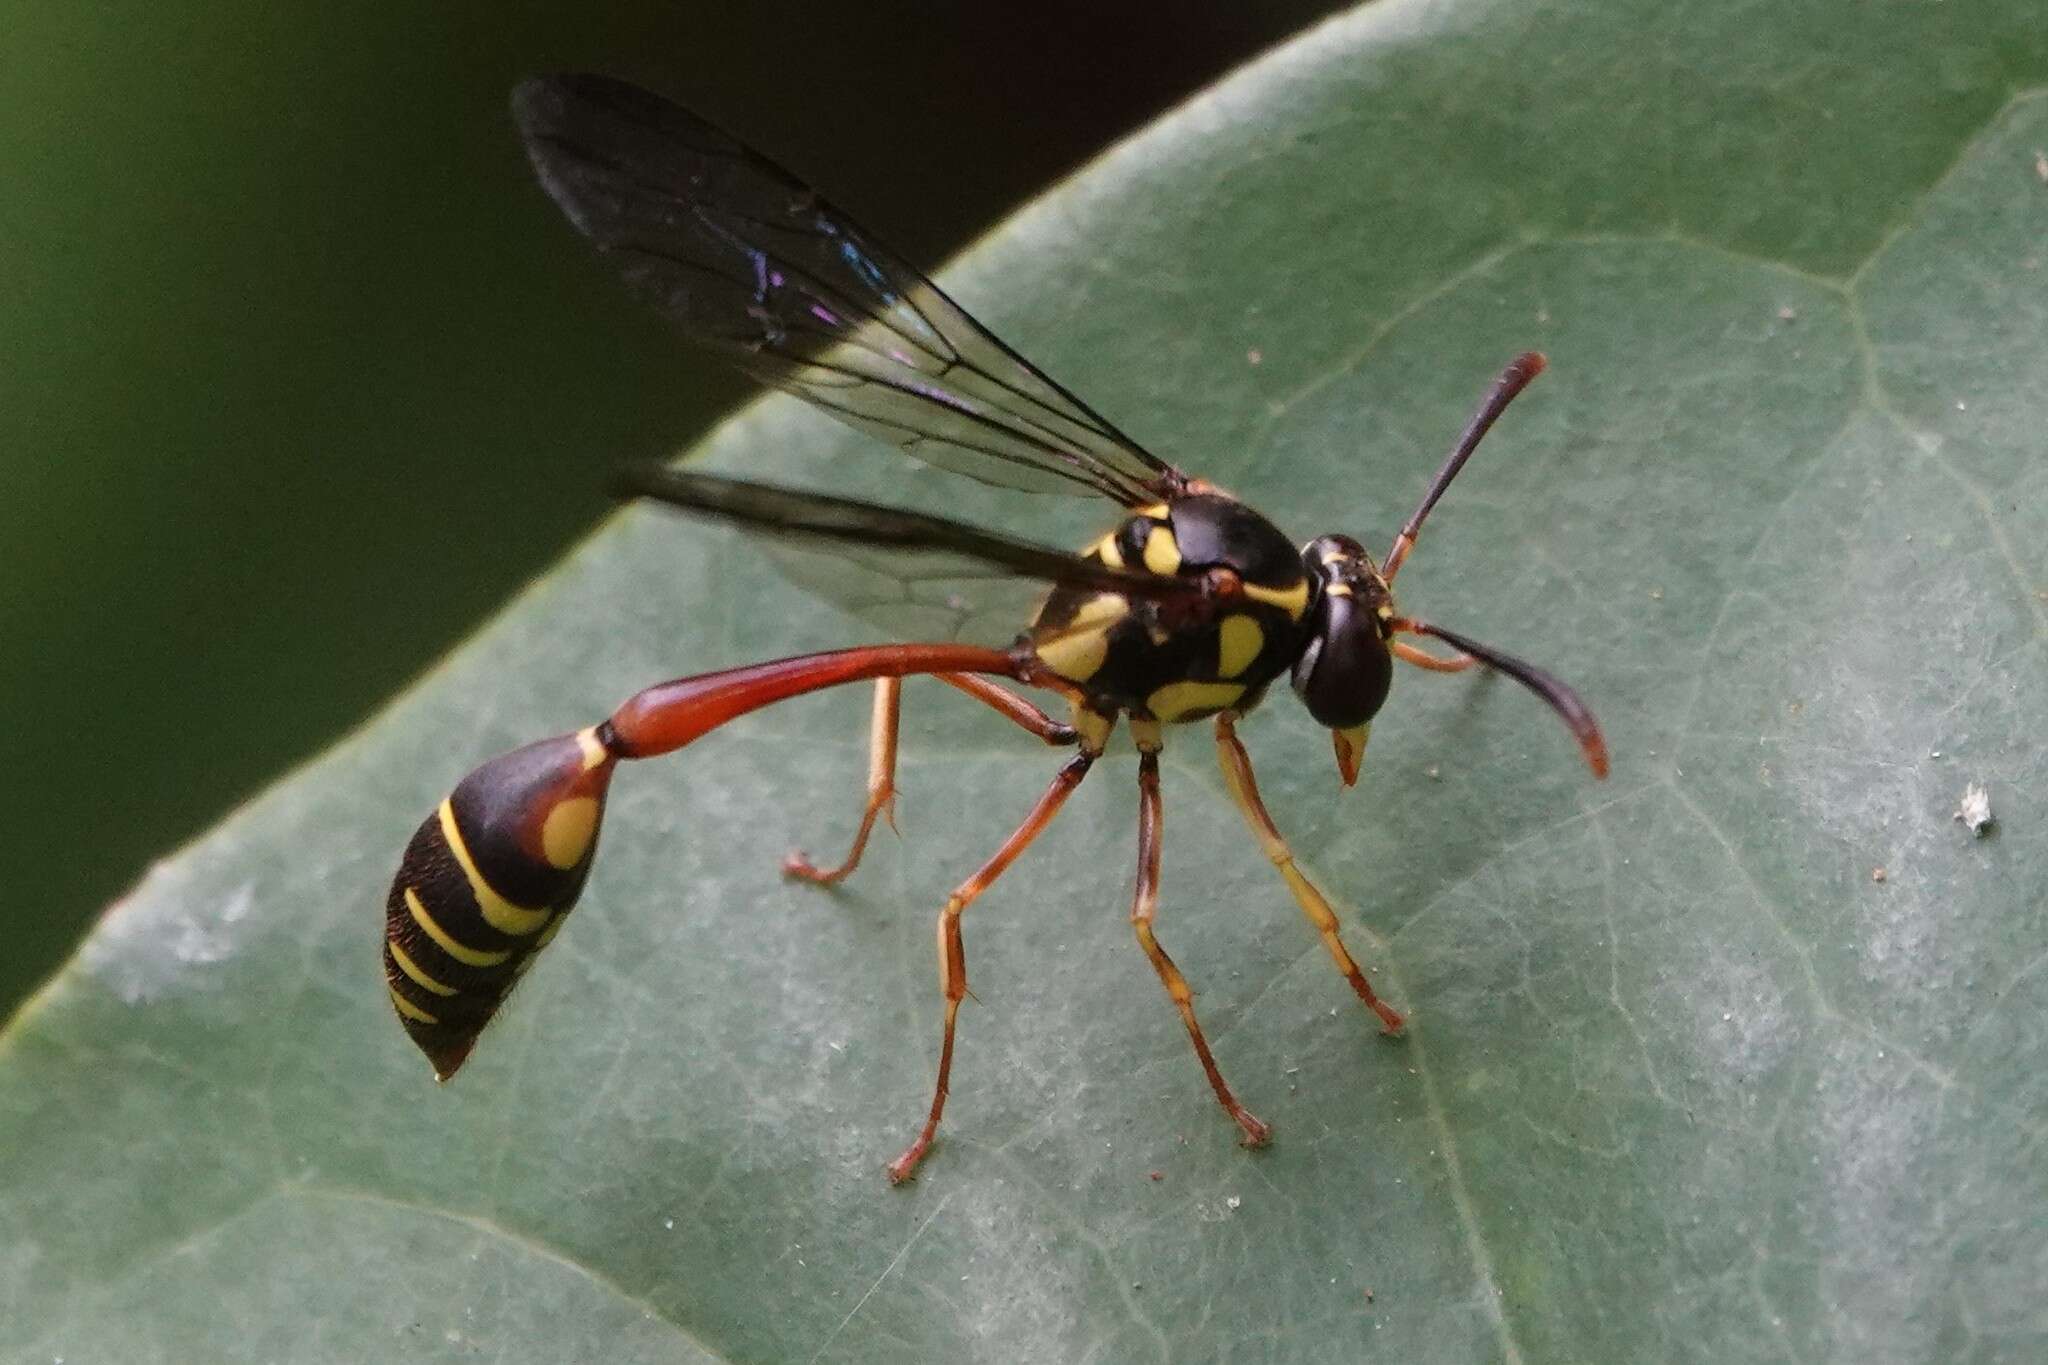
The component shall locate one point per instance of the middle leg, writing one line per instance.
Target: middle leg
(953, 954)
(1244, 790)
(1144, 904)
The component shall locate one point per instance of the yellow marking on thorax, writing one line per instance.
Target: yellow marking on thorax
(1293, 601)
(410, 1010)
(1081, 645)
(1106, 550)
(1177, 699)
(500, 913)
(1240, 639)
(1162, 551)
(1076, 657)
(565, 835)
(468, 957)
(412, 969)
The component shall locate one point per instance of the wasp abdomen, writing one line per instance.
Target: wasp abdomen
(484, 886)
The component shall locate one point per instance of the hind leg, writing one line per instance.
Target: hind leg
(882, 735)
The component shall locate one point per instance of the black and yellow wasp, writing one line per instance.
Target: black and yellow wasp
(1187, 610)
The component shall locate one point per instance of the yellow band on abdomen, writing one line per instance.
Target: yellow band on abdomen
(467, 956)
(500, 913)
(410, 1010)
(412, 969)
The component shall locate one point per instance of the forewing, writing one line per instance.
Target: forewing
(749, 261)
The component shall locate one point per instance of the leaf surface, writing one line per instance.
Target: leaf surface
(1686, 1080)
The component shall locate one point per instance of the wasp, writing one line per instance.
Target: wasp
(1187, 610)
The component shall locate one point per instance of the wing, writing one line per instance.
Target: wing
(873, 528)
(749, 261)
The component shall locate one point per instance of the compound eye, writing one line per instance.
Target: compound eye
(1344, 674)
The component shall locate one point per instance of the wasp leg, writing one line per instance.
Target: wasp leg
(1244, 790)
(953, 957)
(1144, 905)
(1054, 732)
(881, 788)
(1422, 658)
(888, 713)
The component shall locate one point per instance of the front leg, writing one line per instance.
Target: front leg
(1244, 790)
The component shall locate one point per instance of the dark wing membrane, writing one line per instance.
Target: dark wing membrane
(748, 260)
(928, 595)
(875, 529)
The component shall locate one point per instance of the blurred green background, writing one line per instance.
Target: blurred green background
(300, 375)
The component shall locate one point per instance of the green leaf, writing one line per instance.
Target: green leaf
(1685, 1079)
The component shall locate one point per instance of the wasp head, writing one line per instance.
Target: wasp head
(1343, 674)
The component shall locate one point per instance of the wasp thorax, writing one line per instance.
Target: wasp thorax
(1343, 675)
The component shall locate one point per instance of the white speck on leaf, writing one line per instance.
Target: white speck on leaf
(1975, 810)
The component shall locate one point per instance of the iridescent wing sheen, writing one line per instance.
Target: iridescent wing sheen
(749, 261)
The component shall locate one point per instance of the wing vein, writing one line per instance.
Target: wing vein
(745, 258)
